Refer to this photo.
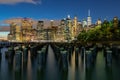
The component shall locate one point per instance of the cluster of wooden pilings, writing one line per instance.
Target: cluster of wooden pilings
(63, 53)
(42, 56)
(18, 55)
(89, 54)
(115, 51)
(108, 55)
(111, 52)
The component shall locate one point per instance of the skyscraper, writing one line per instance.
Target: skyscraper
(68, 28)
(84, 23)
(99, 22)
(13, 30)
(89, 20)
(51, 23)
(26, 28)
(74, 28)
(40, 25)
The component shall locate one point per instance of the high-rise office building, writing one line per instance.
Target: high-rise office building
(18, 33)
(51, 23)
(39, 28)
(40, 25)
(26, 24)
(74, 28)
(89, 19)
(68, 28)
(26, 29)
(84, 23)
(79, 27)
(99, 22)
(13, 30)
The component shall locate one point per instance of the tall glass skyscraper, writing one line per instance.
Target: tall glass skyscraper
(89, 20)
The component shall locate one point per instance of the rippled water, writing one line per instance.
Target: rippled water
(51, 70)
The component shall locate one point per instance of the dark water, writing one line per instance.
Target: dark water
(51, 71)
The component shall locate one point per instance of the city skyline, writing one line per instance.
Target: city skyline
(43, 9)
(5, 29)
(58, 9)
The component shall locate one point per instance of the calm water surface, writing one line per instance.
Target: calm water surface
(51, 70)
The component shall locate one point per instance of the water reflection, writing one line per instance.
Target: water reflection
(18, 75)
(109, 73)
(41, 74)
(4, 66)
(29, 68)
(71, 68)
(51, 69)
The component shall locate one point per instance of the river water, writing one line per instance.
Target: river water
(51, 70)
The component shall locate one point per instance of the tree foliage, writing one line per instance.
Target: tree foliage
(108, 31)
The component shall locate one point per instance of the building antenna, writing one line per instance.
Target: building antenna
(89, 12)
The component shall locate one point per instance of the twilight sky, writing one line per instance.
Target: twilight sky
(58, 9)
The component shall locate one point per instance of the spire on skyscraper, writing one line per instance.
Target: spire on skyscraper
(89, 12)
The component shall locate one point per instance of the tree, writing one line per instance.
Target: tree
(108, 31)
(105, 24)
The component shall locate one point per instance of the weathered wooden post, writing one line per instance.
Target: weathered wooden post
(109, 57)
(25, 55)
(32, 51)
(44, 55)
(69, 53)
(82, 52)
(18, 59)
(64, 60)
(10, 54)
(0, 54)
(76, 55)
(88, 58)
(39, 60)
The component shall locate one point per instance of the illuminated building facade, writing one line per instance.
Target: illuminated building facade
(15, 32)
(74, 28)
(39, 29)
(68, 28)
(89, 20)
(99, 22)
(26, 29)
(84, 23)
(57, 30)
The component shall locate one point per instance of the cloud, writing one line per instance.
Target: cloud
(20, 1)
